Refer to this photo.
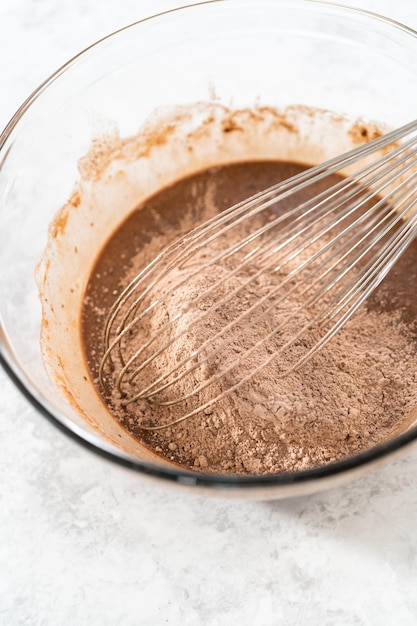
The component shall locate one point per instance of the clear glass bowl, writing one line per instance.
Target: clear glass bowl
(240, 52)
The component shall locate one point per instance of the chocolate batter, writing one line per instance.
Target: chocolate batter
(320, 416)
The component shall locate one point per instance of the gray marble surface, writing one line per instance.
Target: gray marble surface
(85, 543)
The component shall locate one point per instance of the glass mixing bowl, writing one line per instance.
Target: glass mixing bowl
(234, 52)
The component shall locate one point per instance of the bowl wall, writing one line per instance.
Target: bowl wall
(234, 54)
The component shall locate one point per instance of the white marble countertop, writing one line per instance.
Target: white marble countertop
(83, 542)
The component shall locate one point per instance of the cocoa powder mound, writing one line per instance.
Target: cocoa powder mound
(348, 398)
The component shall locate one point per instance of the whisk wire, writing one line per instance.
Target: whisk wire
(330, 251)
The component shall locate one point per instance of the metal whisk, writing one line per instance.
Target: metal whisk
(272, 279)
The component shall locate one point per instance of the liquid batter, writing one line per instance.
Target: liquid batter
(358, 396)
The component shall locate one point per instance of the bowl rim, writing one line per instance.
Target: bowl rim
(104, 449)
